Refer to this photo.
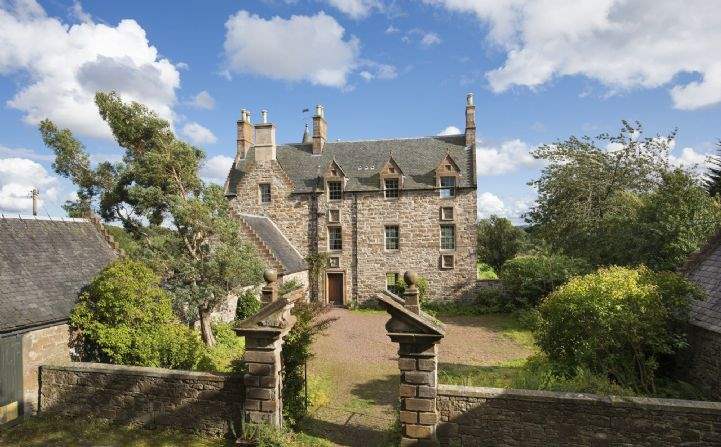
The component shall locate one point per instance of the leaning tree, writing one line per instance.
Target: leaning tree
(182, 225)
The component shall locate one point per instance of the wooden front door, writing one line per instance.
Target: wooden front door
(335, 288)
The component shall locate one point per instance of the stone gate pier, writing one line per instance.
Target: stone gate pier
(417, 335)
(264, 334)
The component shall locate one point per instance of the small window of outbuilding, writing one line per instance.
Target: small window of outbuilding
(265, 196)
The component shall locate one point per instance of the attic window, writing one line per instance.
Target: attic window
(264, 189)
(390, 188)
(335, 191)
(448, 186)
(449, 168)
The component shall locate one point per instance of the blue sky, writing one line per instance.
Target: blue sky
(540, 71)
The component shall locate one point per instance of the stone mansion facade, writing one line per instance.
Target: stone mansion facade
(376, 207)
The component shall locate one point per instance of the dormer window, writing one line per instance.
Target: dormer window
(335, 190)
(391, 188)
(448, 186)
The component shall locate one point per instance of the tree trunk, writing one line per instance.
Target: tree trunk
(206, 330)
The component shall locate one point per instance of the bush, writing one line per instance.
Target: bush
(621, 323)
(497, 240)
(527, 279)
(126, 318)
(421, 283)
(227, 353)
(248, 305)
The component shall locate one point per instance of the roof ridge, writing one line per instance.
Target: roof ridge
(380, 139)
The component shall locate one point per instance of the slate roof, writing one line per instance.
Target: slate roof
(362, 160)
(281, 247)
(43, 265)
(704, 268)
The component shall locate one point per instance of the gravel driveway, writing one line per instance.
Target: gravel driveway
(355, 364)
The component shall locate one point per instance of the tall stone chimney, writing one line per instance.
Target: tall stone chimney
(470, 121)
(264, 139)
(244, 137)
(320, 130)
(471, 133)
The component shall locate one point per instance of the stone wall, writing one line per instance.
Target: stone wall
(205, 403)
(705, 366)
(41, 346)
(417, 213)
(290, 212)
(501, 417)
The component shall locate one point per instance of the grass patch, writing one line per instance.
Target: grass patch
(49, 431)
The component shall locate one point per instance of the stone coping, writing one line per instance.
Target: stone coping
(106, 368)
(648, 403)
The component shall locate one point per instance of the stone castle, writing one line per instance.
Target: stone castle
(377, 208)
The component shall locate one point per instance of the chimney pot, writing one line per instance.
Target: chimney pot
(264, 116)
(469, 99)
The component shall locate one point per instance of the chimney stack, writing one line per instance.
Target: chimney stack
(264, 139)
(35, 194)
(244, 137)
(470, 121)
(320, 130)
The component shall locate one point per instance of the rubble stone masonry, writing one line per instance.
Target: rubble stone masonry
(205, 403)
(42, 346)
(509, 418)
(362, 218)
(705, 365)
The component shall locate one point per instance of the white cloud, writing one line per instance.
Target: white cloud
(198, 134)
(80, 14)
(430, 39)
(622, 44)
(356, 9)
(216, 169)
(450, 130)
(490, 204)
(301, 48)
(392, 30)
(18, 176)
(691, 160)
(203, 100)
(507, 157)
(366, 75)
(60, 67)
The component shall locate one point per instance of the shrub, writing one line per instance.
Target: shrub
(497, 240)
(125, 317)
(617, 322)
(227, 353)
(421, 284)
(296, 352)
(527, 279)
(248, 305)
(289, 286)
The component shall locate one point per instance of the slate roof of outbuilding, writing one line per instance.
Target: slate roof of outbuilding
(362, 160)
(43, 265)
(281, 247)
(704, 268)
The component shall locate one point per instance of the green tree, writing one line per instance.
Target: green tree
(597, 195)
(674, 221)
(126, 318)
(713, 177)
(156, 187)
(497, 241)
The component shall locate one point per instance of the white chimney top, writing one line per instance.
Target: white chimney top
(264, 116)
(469, 99)
(319, 110)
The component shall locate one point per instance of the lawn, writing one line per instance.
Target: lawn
(49, 431)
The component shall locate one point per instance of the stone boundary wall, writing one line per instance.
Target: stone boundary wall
(503, 417)
(200, 402)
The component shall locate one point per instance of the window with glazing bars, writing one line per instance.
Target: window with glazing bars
(448, 186)
(448, 237)
(391, 188)
(265, 192)
(335, 238)
(335, 191)
(392, 237)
